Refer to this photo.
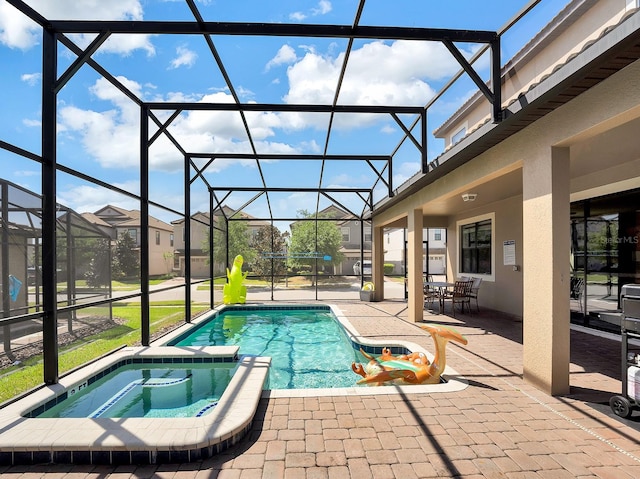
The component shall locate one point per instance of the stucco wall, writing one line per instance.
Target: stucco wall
(504, 292)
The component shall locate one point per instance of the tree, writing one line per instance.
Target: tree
(238, 243)
(305, 243)
(99, 272)
(126, 263)
(269, 239)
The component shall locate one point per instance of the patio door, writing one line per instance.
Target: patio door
(605, 252)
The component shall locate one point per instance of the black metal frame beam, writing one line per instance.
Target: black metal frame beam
(285, 108)
(150, 27)
(290, 190)
(55, 31)
(49, 209)
(288, 156)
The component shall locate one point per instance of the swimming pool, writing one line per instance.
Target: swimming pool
(28, 439)
(308, 346)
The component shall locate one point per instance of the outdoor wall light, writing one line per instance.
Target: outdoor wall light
(469, 196)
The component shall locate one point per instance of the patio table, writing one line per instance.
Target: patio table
(441, 286)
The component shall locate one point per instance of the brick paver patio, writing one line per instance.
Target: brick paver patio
(498, 427)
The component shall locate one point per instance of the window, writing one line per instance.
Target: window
(367, 234)
(458, 135)
(134, 235)
(475, 247)
(171, 240)
(437, 235)
(158, 237)
(346, 234)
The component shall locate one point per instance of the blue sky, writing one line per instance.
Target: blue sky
(98, 125)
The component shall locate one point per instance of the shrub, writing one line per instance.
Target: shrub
(388, 268)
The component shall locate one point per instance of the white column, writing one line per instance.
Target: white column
(546, 275)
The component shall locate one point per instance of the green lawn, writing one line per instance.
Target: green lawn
(29, 374)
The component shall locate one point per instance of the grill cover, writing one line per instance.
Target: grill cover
(630, 299)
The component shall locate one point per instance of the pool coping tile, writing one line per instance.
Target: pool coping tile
(23, 437)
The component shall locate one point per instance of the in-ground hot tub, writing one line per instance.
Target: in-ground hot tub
(27, 436)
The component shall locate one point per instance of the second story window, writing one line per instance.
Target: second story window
(171, 240)
(346, 234)
(437, 235)
(367, 234)
(157, 237)
(458, 135)
(134, 235)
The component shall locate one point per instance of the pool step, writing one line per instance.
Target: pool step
(145, 383)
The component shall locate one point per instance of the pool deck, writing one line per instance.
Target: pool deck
(497, 427)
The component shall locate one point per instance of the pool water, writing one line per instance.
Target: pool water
(151, 391)
(308, 347)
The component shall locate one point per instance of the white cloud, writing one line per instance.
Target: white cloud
(18, 31)
(125, 44)
(302, 201)
(310, 146)
(88, 198)
(297, 16)
(324, 7)
(286, 54)
(405, 171)
(110, 136)
(244, 93)
(31, 123)
(378, 73)
(185, 57)
(27, 173)
(31, 79)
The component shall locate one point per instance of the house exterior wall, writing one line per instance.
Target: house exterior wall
(199, 235)
(160, 252)
(582, 22)
(160, 255)
(597, 127)
(503, 292)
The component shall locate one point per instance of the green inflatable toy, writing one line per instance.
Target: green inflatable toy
(234, 291)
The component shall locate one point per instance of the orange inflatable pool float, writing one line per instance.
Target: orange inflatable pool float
(414, 368)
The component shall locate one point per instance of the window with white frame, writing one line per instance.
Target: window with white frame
(476, 248)
(346, 234)
(458, 135)
(367, 234)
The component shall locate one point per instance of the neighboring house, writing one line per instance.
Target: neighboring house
(350, 244)
(199, 235)
(434, 255)
(199, 227)
(115, 221)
